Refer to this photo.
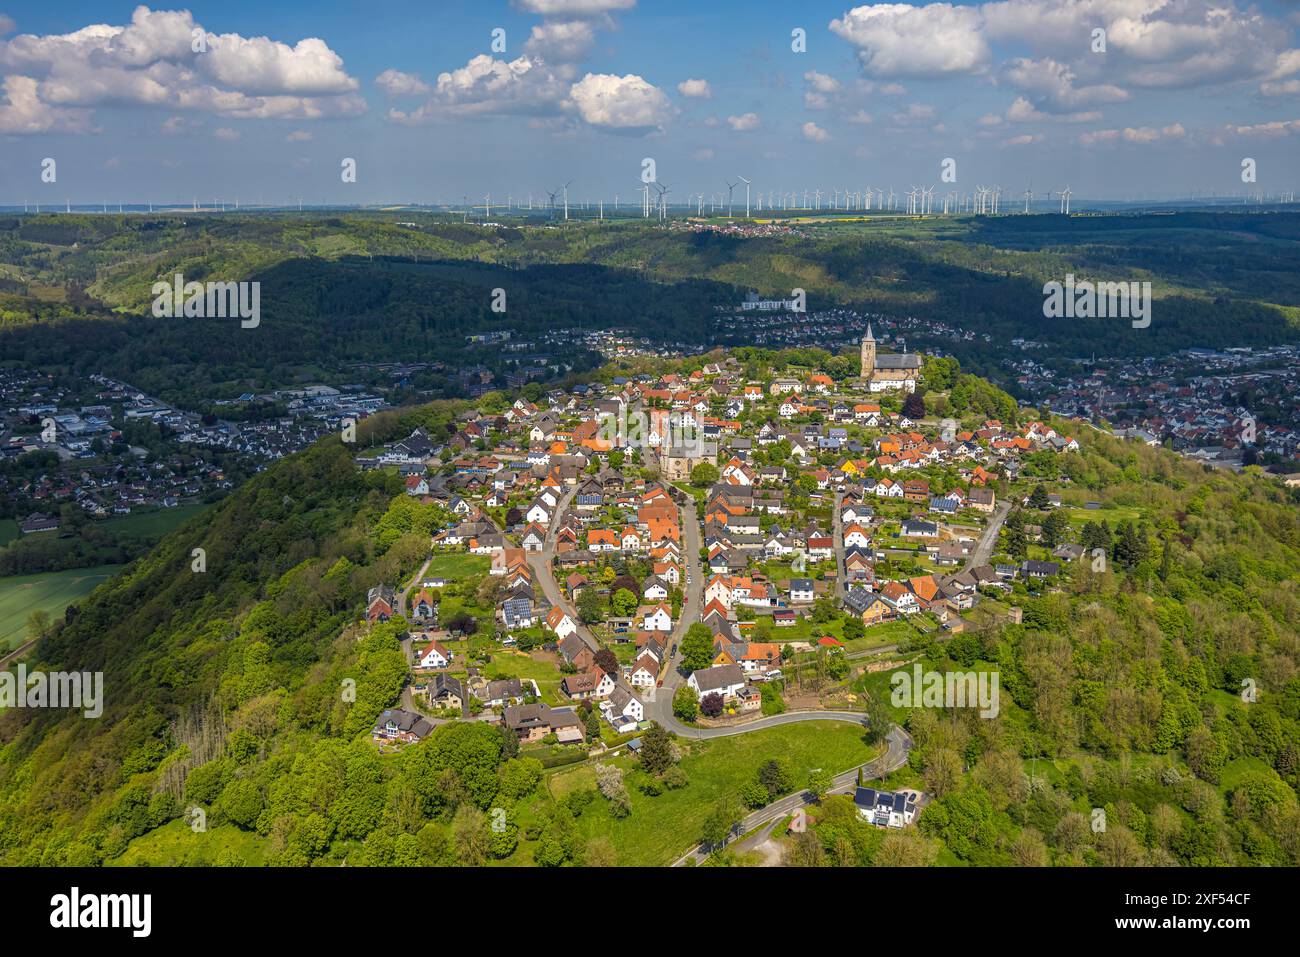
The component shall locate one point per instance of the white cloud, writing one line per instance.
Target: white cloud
(226, 133)
(298, 136)
(899, 40)
(695, 89)
(1272, 129)
(814, 133)
(562, 41)
(1150, 43)
(23, 112)
(620, 102)
(397, 83)
(1133, 134)
(744, 122)
(151, 62)
(487, 86)
(1052, 87)
(821, 82)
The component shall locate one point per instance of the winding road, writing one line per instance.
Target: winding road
(898, 743)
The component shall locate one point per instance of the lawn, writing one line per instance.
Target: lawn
(175, 844)
(660, 829)
(1111, 516)
(457, 566)
(151, 525)
(20, 595)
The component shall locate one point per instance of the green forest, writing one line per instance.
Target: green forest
(224, 691)
(357, 286)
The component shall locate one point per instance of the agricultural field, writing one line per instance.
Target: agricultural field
(20, 595)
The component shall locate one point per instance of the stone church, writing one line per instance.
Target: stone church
(889, 371)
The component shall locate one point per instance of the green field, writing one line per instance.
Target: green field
(457, 565)
(52, 592)
(661, 829)
(153, 524)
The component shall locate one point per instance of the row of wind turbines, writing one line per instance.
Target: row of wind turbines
(920, 201)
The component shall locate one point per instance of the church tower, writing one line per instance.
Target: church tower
(868, 353)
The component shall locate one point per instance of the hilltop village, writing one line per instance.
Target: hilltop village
(703, 550)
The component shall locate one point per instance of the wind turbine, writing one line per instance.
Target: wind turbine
(746, 182)
(1065, 201)
(1028, 196)
(566, 200)
(730, 188)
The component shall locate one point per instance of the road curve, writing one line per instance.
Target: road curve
(898, 744)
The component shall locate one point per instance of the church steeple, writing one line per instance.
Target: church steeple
(868, 354)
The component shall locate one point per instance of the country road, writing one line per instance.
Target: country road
(898, 743)
(984, 548)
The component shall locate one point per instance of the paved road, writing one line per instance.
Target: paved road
(419, 577)
(540, 562)
(18, 652)
(897, 746)
(659, 701)
(984, 548)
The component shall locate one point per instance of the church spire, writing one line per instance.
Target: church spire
(868, 337)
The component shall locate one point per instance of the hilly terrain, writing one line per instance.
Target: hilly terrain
(248, 690)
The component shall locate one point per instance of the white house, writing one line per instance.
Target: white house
(434, 656)
(657, 618)
(726, 680)
(645, 672)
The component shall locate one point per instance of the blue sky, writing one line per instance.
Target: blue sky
(278, 94)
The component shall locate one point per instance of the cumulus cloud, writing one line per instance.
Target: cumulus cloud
(899, 40)
(562, 41)
(620, 102)
(23, 112)
(820, 90)
(397, 83)
(814, 133)
(487, 86)
(1053, 87)
(695, 89)
(152, 61)
(744, 122)
(1161, 44)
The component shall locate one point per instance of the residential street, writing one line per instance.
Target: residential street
(984, 548)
